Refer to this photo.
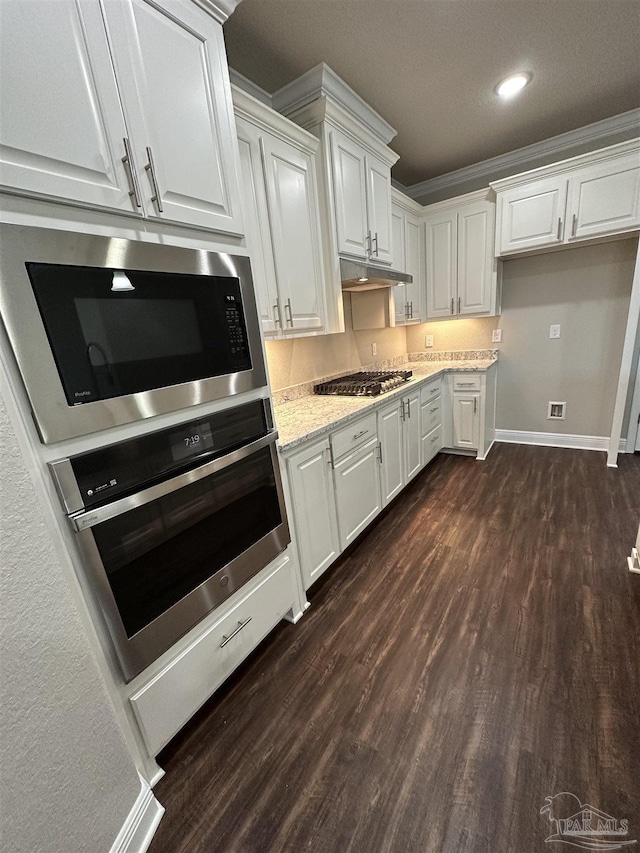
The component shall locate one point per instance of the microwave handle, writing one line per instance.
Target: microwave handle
(83, 520)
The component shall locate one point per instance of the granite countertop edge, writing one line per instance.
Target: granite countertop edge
(330, 412)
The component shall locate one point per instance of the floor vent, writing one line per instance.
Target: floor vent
(556, 411)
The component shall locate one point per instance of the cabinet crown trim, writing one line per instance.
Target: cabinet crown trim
(571, 164)
(218, 9)
(322, 82)
(408, 204)
(468, 198)
(250, 109)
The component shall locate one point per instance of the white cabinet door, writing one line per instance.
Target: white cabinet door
(475, 257)
(391, 451)
(314, 510)
(604, 198)
(357, 486)
(466, 420)
(256, 216)
(413, 265)
(431, 445)
(350, 195)
(295, 232)
(61, 122)
(441, 263)
(171, 68)
(412, 436)
(379, 209)
(398, 241)
(532, 215)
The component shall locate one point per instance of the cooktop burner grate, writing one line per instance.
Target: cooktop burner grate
(365, 383)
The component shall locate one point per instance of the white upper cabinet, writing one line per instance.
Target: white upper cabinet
(594, 195)
(350, 194)
(362, 199)
(62, 129)
(282, 218)
(171, 67)
(461, 271)
(407, 256)
(120, 105)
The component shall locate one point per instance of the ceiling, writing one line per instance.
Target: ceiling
(429, 67)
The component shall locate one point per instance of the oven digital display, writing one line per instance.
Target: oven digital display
(191, 441)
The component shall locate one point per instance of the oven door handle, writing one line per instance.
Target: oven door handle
(83, 520)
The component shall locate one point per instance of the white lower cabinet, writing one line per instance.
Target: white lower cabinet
(400, 439)
(316, 524)
(466, 421)
(357, 487)
(164, 703)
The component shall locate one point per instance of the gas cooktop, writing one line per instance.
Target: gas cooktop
(365, 383)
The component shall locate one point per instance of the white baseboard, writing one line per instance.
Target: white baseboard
(554, 439)
(141, 823)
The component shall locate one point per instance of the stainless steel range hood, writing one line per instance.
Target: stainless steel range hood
(358, 276)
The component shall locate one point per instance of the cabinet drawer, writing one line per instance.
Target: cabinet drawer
(466, 383)
(431, 415)
(431, 444)
(353, 435)
(164, 704)
(430, 390)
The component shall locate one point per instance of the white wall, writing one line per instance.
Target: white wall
(586, 290)
(68, 780)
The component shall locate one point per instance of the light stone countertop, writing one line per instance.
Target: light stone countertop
(310, 417)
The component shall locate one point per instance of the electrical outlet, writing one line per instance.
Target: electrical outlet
(556, 411)
(554, 331)
(374, 349)
(496, 336)
(428, 341)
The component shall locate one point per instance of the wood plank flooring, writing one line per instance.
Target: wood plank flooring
(477, 651)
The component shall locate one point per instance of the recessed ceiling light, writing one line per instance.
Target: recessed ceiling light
(514, 84)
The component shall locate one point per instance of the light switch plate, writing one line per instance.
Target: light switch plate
(554, 331)
(428, 341)
(374, 349)
(496, 336)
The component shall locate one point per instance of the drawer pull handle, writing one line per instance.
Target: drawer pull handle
(466, 384)
(228, 639)
(435, 438)
(435, 409)
(360, 434)
(559, 228)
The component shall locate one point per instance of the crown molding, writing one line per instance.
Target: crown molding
(485, 194)
(320, 81)
(521, 159)
(246, 107)
(219, 9)
(241, 82)
(401, 199)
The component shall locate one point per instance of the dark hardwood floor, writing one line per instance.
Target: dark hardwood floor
(477, 651)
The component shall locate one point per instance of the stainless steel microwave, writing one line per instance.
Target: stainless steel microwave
(108, 331)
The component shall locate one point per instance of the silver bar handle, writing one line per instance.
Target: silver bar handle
(452, 304)
(380, 452)
(435, 409)
(228, 639)
(435, 438)
(475, 405)
(151, 168)
(559, 226)
(406, 310)
(574, 225)
(408, 407)
(376, 242)
(369, 248)
(360, 434)
(411, 310)
(91, 517)
(459, 304)
(276, 313)
(287, 307)
(127, 160)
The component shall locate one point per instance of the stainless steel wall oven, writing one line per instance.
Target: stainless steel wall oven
(108, 331)
(173, 522)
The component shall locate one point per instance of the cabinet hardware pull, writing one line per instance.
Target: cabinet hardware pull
(475, 405)
(435, 409)
(360, 434)
(411, 310)
(127, 160)
(574, 224)
(380, 450)
(368, 241)
(459, 304)
(559, 226)
(466, 384)
(431, 390)
(376, 242)
(226, 639)
(276, 311)
(402, 415)
(151, 168)
(287, 307)
(406, 310)
(435, 438)
(409, 407)
(452, 304)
